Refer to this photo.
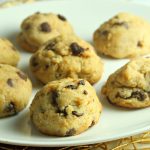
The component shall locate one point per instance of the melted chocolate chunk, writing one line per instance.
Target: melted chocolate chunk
(54, 98)
(139, 44)
(76, 49)
(61, 17)
(71, 87)
(140, 95)
(47, 66)
(22, 75)
(34, 63)
(77, 113)
(70, 132)
(10, 82)
(85, 92)
(104, 33)
(125, 24)
(81, 82)
(50, 46)
(92, 124)
(10, 108)
(45, 27)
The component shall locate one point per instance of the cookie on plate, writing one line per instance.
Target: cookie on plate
(9, 54)
(66, 56)
(124, 35)
(15, 90)
(65, 107)
(129, 85)
(41, 27)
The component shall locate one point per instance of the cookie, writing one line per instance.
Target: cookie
(15, 90)
(9, 54)
(124, 35)
(65, 107)
(41, 27)
(129, 85)
(66, 56)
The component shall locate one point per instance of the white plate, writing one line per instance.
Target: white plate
(85, 15)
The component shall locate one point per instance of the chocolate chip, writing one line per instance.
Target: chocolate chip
(85, 92)
(70, 132)
(116, 17)
(76, 49)
(139, 44)
(22, 75)
(47, 66)
(10, 82)
(45, 27)
(71, 87)
(92, 124)
(77, 113)
(64, 112)
(10, 108)
(81, 82)
(50, 46)
(104, 33)
(61, 17)
(54, 98)
(125, 24)
(34, 63)
(140, 95)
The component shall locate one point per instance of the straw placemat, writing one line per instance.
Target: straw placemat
(138, 142)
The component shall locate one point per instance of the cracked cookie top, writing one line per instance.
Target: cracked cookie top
(65, 107)
(129, 85)
(66, 56)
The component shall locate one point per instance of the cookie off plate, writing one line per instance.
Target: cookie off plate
(85, 16)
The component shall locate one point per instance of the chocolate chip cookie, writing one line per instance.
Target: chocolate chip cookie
(41, 27)
(15, 90)
(66, 56)
(9, 54)
(129, 85)
(124, 35)
(65, 107)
